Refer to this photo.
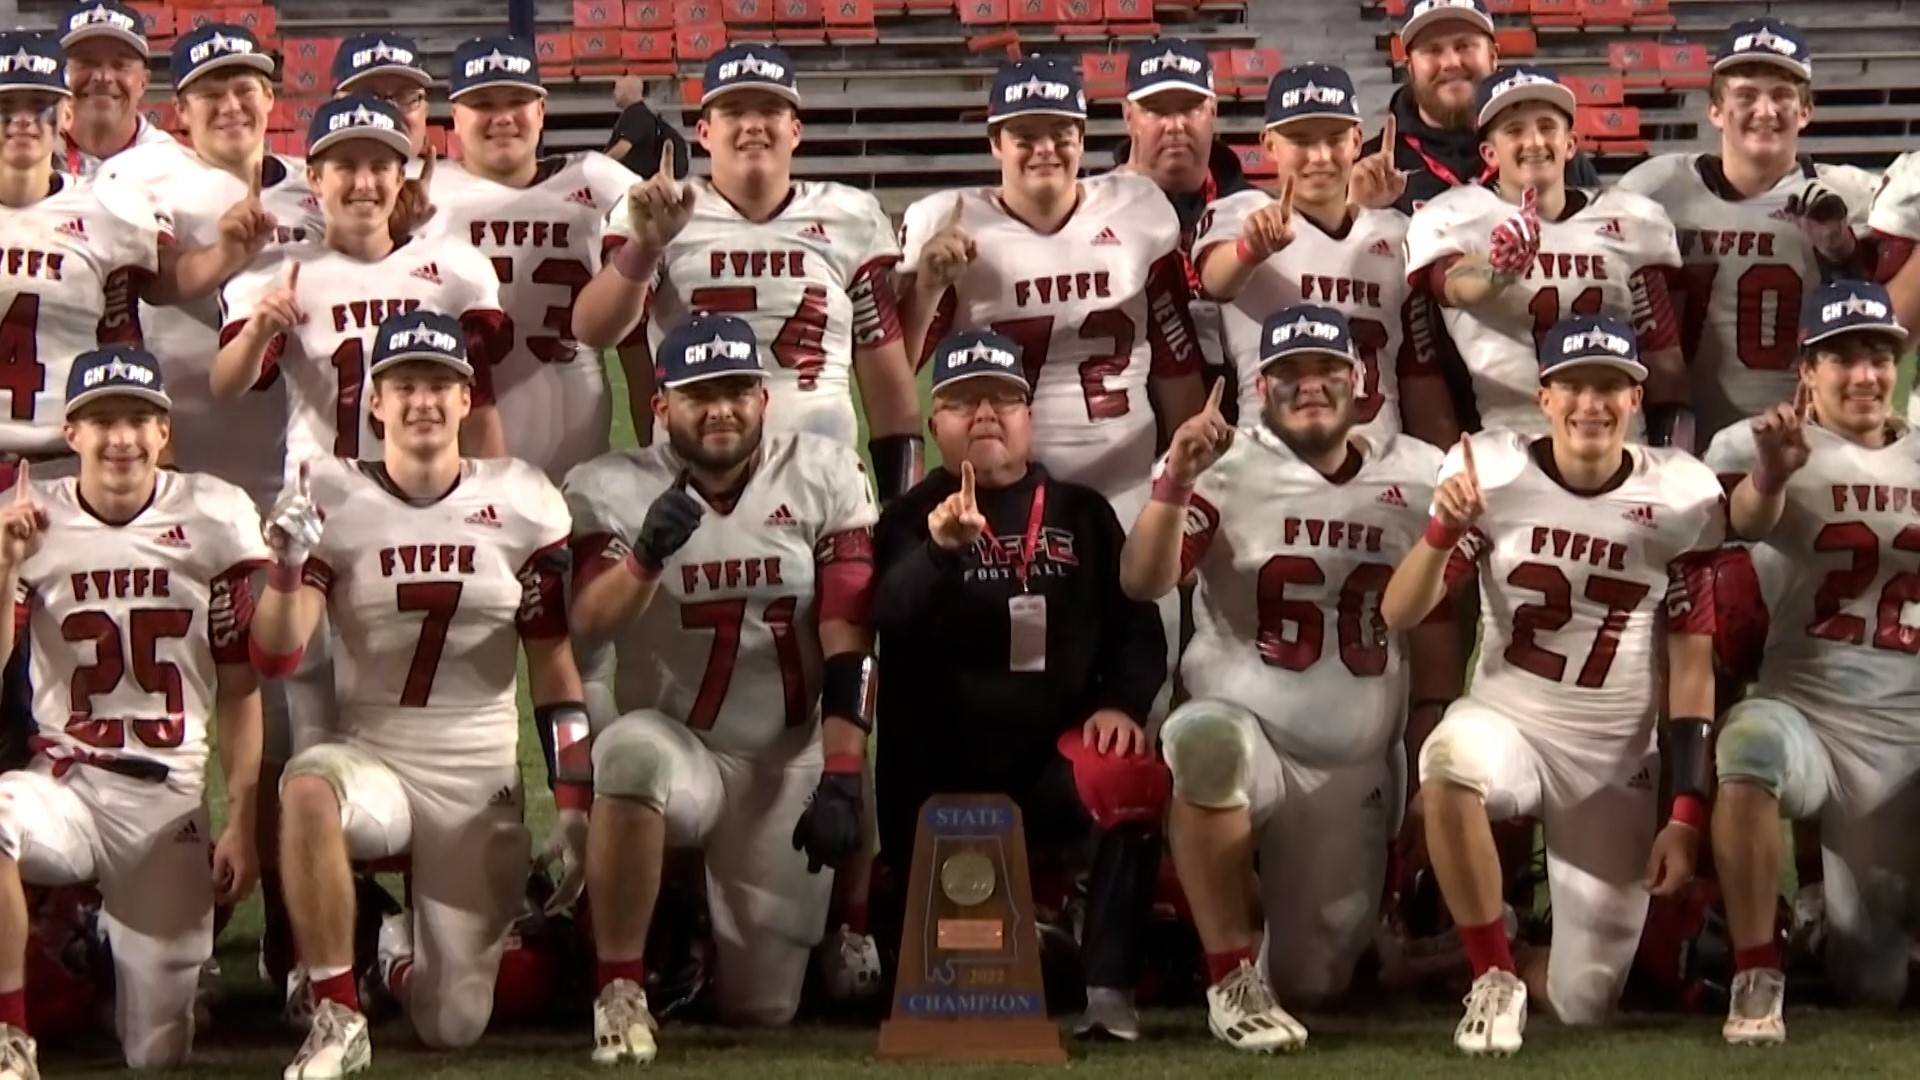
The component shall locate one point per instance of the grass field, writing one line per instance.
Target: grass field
(1397, 1041)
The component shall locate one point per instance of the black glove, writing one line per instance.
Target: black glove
(829, 828)
(1818, 202)
(669, 524)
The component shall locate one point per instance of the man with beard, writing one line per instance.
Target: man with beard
(1760, 226)
(1291, 527)
(1014, 663)
(107, 71)
(732, 572)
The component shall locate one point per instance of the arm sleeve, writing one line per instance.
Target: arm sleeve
(489, 330)
(1654, 319)
(1132, 664)
(1419, 336)
(876, 307)
(542, 614)
(1690, 593)
(1174, 341)
(1196, 537)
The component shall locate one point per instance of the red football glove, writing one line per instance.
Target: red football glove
(1516, 240)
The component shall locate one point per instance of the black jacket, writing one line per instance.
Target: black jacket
(1224, 177)
(1422, 147)
(645, 134)
(948, 700)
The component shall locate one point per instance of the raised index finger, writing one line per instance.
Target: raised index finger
(1286, 199)
(1802, 398)
(1466, 459)
(257, 180)
(1213, 396)
(1389, 134)
(953, 214)
(427, 157)
(966, 483)
(20, 478)
(666, 160)
(303, 480)
(293, 276)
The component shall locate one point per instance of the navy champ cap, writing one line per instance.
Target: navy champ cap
(978, 354)
(1163, 64)
(1036, 86)
(420, 335)
(1842, 307)
(494, 61)
(365, 56)
(30, 61)
(1765, 41)
(1516, 85)
(357, 116)
(213, 47)
(103, 19)
(115, 371)
(1311, 92)
(707, 347)
(748, 66)
(1597, 340)
(1463, 14)
(1306, 330)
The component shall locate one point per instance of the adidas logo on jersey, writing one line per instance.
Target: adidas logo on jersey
(583, 197)
(1393, 496)
(187, 833)
(815, 231)
(428, 272)
(1642, 780)
(1381, 247)
(73, 227)
(1641, 516)
(503, 797)
(1609, 231)
(782, 516)
(487, 516)
(1373, 801)
(175, 537)
(1106, 237)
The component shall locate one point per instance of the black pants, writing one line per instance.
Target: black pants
(16, 709)
(1120, 883)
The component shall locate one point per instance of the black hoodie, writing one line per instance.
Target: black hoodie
(1224, 178)
(1435, 160)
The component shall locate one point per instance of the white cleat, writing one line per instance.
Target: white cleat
(622, 1027)
(395, 949)
(849, 966)
(1754, 1013)
(1496, 1015)
(1242, 1012)
(337, 1046)
(1110, 1015)
(300, 1005)
(19, 1055)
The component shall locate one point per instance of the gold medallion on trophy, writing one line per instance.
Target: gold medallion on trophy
(968, 878)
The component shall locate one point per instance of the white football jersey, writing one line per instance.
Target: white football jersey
(1286, 612)
(1839, 574)
(1747, 267)
(1577, 591)
(730, 645)
(545, 242)
(1586, 266)
(324, 359)
(1096, 307)
(72, 267)
(1896, 201)
(129, 623)
(78, 162)
(814, 282)
(186, 337)
(1362, 274)
(428, 603)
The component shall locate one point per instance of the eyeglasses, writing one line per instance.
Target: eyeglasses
(405, 100)
(963, 403)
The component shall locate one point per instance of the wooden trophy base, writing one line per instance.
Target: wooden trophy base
(1031, 1040)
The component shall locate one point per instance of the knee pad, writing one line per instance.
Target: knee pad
(328, 761)
(1752, 745)
(633, 761)
(1450, 758)
(1208, 744)
(1117, 790)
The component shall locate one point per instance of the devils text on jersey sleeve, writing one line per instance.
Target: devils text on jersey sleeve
(75, 264)
(1574, 589)
(1361, 273)
(815, 282)
(730, 644)
(1291, 566)
(1747, 266)
(1096, 308)
(1604, 257)
(129, 623)
(429, 603)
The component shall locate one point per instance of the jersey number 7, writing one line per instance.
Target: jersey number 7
(436, 601)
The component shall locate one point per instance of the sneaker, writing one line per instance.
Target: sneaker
(337, 1045)
(19, 1055)
(1110, 1015)
(1242, 1013)
(850, 966)
(622, 1027)
(1496, 1015)
(300, 1005)
(1753, 1013)
(395, 950)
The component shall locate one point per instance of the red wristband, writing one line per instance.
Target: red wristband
(844, 763)
(1442, 536)
(1689, 810)
(1244, 252)
(284, 577)
(634, 263)
(1166, 489)
(573, 796)
(1765, 483)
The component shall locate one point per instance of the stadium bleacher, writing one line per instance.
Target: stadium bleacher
(895, 88)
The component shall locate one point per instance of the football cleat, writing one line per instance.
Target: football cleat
(336, 1046)
(19, 1055)
(1110, 1015)
(395, 951)
(849, 966)
(1496, 1015)
(1242, 1012)
(622, 1027)
(1753, 1016)
(300, 1005)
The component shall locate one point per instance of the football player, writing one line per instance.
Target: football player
(132, 583)
(388, 66)
(1292, 526)
(732, 571)
(1829, 731)
(543, 222)
(1582, 547)
(1759, 225)
(1509, 259)
(807, 263)
(434, 570)
(1258, 254)
(107, 71)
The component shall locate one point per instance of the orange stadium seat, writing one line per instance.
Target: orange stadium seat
(1685, 67)
(1397, 51)
(1078, 18)
(850, 21)
(1651, 14)
(598, 52)
(156, 20)
(1249, 70)
(1031, 12)
(920, 7)
(690, 91)
(649, 14)
(187, 20)
(1606, 12)
(281, 118)
(699, 42)
(258, 18)
(1516, 42)
(1498, 8)
(555, 54)
(983, 12)
(1133, 18)
(696, 13)
(1395, 9)
(303, 110)
(1555, 13)
(1255, 162)
(648, 52)
(747, 14)
(589, 14)
(307, 65)
(1638, 63)
(1611, 129)
(1105, 75)
(437, 138)
(1597, 89)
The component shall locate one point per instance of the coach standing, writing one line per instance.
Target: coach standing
(1012, 662)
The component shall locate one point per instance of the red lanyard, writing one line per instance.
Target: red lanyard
(1440, 170)
(1030, 545)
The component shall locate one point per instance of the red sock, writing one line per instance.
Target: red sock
(856, 916)
(338, 988)
(1760, 956)
(13, 1008)
(1487, 947)
(607, 972)
(1222, 964)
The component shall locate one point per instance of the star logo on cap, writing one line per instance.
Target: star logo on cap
(1764, 40)
(365, 117)
(23, 58)
(1598, 338)
(383, 51)
(423, 335)
(980, 351)
(498, 60)
(1855, 305)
